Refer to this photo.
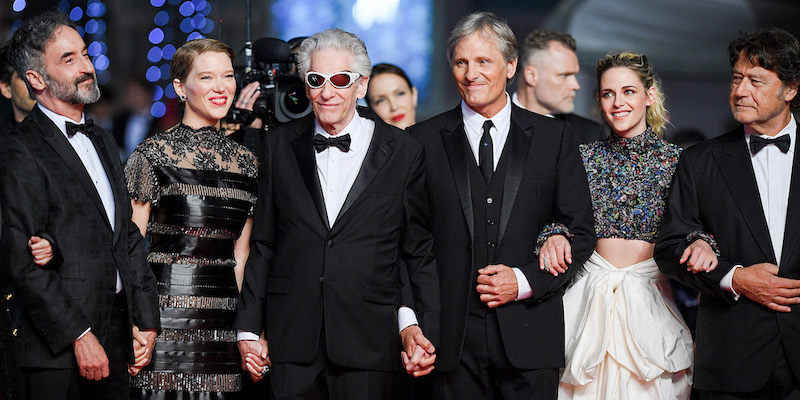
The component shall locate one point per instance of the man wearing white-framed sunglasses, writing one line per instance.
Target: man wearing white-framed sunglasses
(341, 257)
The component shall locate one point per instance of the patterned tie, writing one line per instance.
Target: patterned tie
(757, 143)
(87, 128)
(340, 142)
(486, 152)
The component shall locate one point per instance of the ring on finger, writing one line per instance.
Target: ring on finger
(265, 370)
(547, 263)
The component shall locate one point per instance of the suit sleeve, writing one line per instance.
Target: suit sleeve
(145, 288)
(418, 251)
(573, 209)
(253, 297)
(682, 217)
(55, 314)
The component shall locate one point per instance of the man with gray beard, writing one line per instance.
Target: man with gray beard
(81, 322)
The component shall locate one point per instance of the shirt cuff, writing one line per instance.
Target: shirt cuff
(405, 318)
(726, 283)
(245, 335)
(524, 290)
(83, 334)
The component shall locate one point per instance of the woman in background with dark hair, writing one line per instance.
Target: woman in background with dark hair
(625, 338)
(193, 191)
(392, 96)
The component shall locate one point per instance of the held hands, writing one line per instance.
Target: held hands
(41, 250)
(143, 344)
(760, 283)
(255, 358)
(497, 284)
(92, 359)
(699, 257)
(417, 354)
(555, 255)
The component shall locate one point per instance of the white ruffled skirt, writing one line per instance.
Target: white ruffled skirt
(625, 338)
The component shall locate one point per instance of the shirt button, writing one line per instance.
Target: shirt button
(489, 200)
(490, 244)
(330, 243)
(321, 279)
(490, 222)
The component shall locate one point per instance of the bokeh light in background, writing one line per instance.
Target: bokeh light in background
(395, 31)
(175, 22)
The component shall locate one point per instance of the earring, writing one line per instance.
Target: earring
(183, 98)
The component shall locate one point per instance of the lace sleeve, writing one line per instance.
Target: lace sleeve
(142, 181)
(707, 237)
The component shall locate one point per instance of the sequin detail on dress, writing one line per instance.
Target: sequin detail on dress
(629, 179)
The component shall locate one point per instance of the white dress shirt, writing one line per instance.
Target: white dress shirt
(773, 170)
(473, 125)
(85, 150)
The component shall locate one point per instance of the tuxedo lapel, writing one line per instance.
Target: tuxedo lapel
(380, 149)
(303, 147)
(736, 168)
(118, 193)
(517, 148)
(792, 229)
(56, 140)
(459, 156)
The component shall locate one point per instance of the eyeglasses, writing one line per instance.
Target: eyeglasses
(339, 80)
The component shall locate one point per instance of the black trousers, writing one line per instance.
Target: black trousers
(68, 384)
(323, 380)
(484, 371)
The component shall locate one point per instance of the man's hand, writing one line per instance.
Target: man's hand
(497, 284)
(41, 250)
(760, 283)
(92, 359)
(143, 344)
(255, 356)
(699, 257)
(555, 255)
(417, 354)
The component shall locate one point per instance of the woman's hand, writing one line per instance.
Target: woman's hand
(555, 255)
(699, 257)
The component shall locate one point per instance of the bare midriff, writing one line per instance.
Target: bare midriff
(624, 252)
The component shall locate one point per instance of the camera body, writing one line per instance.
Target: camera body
(282, 96)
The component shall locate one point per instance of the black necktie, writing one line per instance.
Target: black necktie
(87, 128)
(757, 143)
(340, 142)
(486, 152)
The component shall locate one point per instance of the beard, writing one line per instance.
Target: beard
(72, 93)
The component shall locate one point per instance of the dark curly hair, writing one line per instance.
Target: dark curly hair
(773, 49)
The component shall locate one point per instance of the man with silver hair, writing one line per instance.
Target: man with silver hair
(549, 65)
(85, 319)
(510, 204)
(341, 256)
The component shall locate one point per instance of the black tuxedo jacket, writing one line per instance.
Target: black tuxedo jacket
(714, 190)
(350, 279)
(584, 129)
(45, 188)
(544, 182)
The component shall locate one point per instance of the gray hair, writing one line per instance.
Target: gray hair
(334, 38)
(488, 25)
(28, 42)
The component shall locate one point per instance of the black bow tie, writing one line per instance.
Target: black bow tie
(340, 142)
(757, 143)
(87, 128)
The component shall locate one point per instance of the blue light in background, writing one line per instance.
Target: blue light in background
(18, 5)
(169, 91)
(168, 51)
(153, 74)
(161, 18)
(158, 109)
(156, 36)
(199, 21)
(157, 3)
(76, 14)
(95, 48)
(187, 25)
(164, 68)
(101, 62)
(96, 9)
(195, 35)
(208, 27)
(154, 55)
(186, 9)
(91, 26)
(158, 93)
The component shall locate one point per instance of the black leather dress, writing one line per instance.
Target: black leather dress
(201, 187)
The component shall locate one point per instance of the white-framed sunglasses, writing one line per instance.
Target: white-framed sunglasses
(339, 80)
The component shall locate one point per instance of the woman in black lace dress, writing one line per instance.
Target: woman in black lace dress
(193, 190)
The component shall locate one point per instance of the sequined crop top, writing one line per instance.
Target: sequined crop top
(629, 179)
